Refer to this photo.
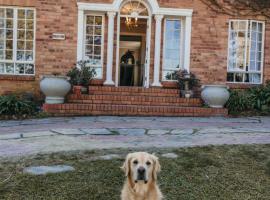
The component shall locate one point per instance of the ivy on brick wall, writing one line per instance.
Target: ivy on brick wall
(240, 7)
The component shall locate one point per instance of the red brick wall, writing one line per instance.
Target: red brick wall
(208, 48)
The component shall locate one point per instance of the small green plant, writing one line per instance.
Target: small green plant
(256, 100)
(81, 74)
(239, 102)
(186, 79)
(12, 105)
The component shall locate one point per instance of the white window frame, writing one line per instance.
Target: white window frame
(181, 48)
(15, 30)
(95, 14)
(248, 31)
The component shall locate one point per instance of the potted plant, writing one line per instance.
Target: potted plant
(80, 77)
(55, 87)
(186, 81)
(215, 96)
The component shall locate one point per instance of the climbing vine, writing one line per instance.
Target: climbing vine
(240, 7)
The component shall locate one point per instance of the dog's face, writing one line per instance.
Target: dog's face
(141, 166)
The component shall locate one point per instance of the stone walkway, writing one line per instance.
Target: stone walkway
(31, 137)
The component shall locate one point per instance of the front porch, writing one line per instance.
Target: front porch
(132, 101)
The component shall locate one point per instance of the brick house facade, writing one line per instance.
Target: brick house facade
(203, 38)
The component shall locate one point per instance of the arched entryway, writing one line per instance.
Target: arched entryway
(133, 42)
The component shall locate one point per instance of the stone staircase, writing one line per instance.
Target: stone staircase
(131, 101)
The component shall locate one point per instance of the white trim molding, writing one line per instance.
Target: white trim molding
(153, 4)
(109, 69)
(114, 8)
(156, 82)
(188, 27)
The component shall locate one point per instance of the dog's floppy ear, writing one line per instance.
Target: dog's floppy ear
(126, 166)
(156, 167)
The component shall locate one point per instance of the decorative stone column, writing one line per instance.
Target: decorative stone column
(188, 25)
(156, 82)
(110, 42)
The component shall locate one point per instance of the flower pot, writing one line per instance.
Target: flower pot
(187, 93)
(215, 96)
(55, 88)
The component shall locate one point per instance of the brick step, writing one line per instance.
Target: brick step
(124, 91)
(130, 110)
(134, 100)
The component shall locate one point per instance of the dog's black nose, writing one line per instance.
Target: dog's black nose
(141, 170)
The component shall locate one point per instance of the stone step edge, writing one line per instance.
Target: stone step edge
(133, 89)
(81, 107)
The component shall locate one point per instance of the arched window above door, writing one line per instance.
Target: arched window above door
(134, 8)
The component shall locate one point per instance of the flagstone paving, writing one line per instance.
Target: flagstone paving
(30, 137)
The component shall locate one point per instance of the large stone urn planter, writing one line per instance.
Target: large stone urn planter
(55, 88)
(215, 96)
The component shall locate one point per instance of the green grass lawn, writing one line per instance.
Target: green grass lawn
(225, 172)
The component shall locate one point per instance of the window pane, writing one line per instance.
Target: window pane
(98, 72)
(29, 56)
(2, 44)
(9, 13)
(230, 77)
(29, 35)
(9, 23)
(90, 20)
(9, 68)
(239, 77)
(20, 45)
(98, 30)
(2, 68)
(29, 14)
(2, 54)
(2, 23)
(29, 69)
(19, 69)
(9, 44)
(97, 40)
(9, 54)
(9, 34)
(21, 35)
(172, 48)
(90, 30)
(21, 24)
(255, 78)
(89, 49)
(24, 49)
(2, 12)
(97, 50)
(20, 56)
(2, 34)
(89, 40)
(93, 42)
(30, 24)
(98, 20)
(21, 14)
(234, 25)
(29, 45)
(242, 25)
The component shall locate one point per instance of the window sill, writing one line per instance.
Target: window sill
(242, 85)
(169, 84)
(17, 77)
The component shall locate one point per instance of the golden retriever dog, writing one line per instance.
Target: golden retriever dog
(141, 170)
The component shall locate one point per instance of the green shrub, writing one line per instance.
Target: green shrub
(82, 75)
(256, 99)
(239, 101)
(260, 97)
(14, 105)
